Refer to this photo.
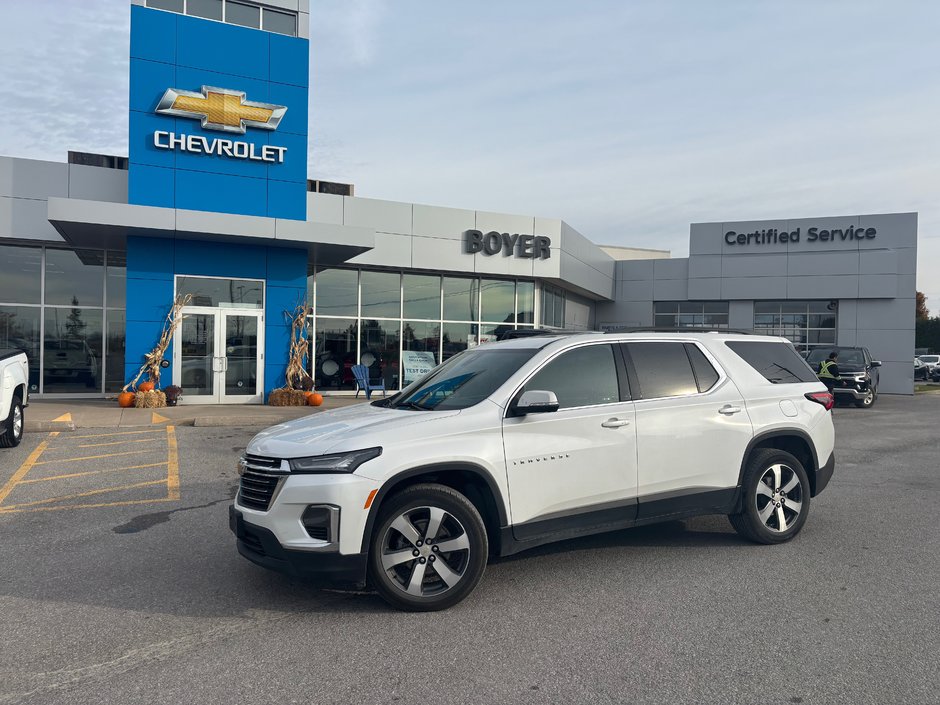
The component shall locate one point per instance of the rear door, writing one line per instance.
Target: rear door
(576, 467)
(692, 424)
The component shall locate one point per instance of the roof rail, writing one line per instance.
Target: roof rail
(530, 332)
(679, 329)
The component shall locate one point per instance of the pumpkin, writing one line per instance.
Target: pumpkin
(126, 399)
(145, 387)
(314, 399)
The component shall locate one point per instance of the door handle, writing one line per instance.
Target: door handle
(615, 423)
(729, 410)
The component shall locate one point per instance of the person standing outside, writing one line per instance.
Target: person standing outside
(829, 370)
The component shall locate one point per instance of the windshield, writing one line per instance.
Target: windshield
(932, 359)
(852, 358)
(464, 380)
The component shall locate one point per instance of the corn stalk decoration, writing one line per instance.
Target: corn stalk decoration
(296, 376)
(153, 359)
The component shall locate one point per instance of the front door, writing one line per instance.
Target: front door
(218, 356)
(574, 468)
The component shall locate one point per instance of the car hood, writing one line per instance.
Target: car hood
(852, 369)
(357, 426)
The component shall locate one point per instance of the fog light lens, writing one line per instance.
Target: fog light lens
(321, 522)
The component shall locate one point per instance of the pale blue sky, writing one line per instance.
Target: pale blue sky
(629, 120)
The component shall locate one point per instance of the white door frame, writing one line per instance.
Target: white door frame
(219, 358)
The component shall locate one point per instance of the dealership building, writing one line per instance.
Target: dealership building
(213, 202)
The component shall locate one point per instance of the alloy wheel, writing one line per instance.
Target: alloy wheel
(17, 421)
(779, 497)
(425, 551)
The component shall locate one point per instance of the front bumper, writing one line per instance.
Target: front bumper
(851, 388)
(824, 474)
(260, 546)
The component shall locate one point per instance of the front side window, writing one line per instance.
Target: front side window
(662, 369)
(466, 379)
(585, 376)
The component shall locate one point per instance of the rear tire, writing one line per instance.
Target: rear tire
(775, 496)
(15, 423)
(448, 535)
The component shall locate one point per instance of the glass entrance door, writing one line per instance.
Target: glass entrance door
(218, 356)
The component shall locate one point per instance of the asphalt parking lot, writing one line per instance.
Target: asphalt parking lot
(119, 582)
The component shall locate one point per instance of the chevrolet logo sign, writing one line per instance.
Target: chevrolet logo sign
(221, 109)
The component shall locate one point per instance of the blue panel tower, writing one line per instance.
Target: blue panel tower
(218, 123)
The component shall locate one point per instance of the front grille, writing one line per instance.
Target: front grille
(259, 482)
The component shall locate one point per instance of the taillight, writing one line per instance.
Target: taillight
(824, 398)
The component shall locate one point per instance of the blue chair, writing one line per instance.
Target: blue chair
(364, 384)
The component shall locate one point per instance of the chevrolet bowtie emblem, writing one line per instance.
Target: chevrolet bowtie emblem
(221, 109)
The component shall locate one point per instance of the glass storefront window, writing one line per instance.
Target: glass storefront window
(114, 348)
(461, 299)
(422, 296)
(420, 341)
(74, 277)
(222, 293)
(498, 300)
(381, 295)
(21, 279)
(72, 359)
(525, 302)
(19, 330)
(337, 292)
(806, 324)
(117, 279)
(379, 350)
(690, 314)
(456, 337)
(336, 343)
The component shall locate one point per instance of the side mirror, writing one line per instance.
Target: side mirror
(876, 363)
(536, 401)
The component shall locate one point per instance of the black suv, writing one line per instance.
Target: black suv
(858, 373)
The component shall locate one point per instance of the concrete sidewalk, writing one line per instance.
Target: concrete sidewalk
(67, 415)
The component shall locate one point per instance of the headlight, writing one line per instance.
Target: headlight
(336, 462)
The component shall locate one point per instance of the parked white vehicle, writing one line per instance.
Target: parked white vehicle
(14, 374)
(519, 443)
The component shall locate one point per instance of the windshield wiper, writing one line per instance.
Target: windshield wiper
(412, 405)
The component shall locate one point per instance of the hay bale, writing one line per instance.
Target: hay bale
(153, 399)
(287, 397)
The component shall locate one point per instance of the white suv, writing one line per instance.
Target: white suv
(519, 443)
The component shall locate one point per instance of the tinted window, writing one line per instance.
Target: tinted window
(662, 369)
(778, 362)
(580, 377)
(705, 375)
(75, 277)
(464, 380)
(21, 274)
(245, 15)
(280, 22)
(846, 356)
(381, 294)
(210, 9)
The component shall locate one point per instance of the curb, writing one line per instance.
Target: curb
(44, 426)
(239, 420)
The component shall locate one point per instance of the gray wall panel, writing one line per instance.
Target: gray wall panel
(897, 378)
(325, 208)
(93, 183)
(505, 223)
(391, 250)
(631, 314)
(907, 260)
(741, 315)
(907, 285)
(881, 286)
(705, 266)
(670, 290)
(826, 263)
(30, 220)
(705, 289)
(764, 265)
(432, 221)
(894, 230)
(439, 254)
(705, 239)
(635, 270)
(884, 314)
(889, 345)
(823, 287)
(754, 288)
(383, 216)
(635, 291)
(32, 178)
(829, 223)
(670, 269)
(878, 262)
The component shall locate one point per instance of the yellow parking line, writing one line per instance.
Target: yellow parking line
(78, 495)
(124, 503)
(119, 433)
(90, 472)
(91, 457)
(172, 465)
(112, 443)
(25, 467)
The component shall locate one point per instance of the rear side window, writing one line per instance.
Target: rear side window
(662, 369)
(779, 363)
(705, 375)
(581, 377)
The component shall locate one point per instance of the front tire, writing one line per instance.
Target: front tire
(775, 498)
(15, 422)
(428, 550)
(869, 399)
